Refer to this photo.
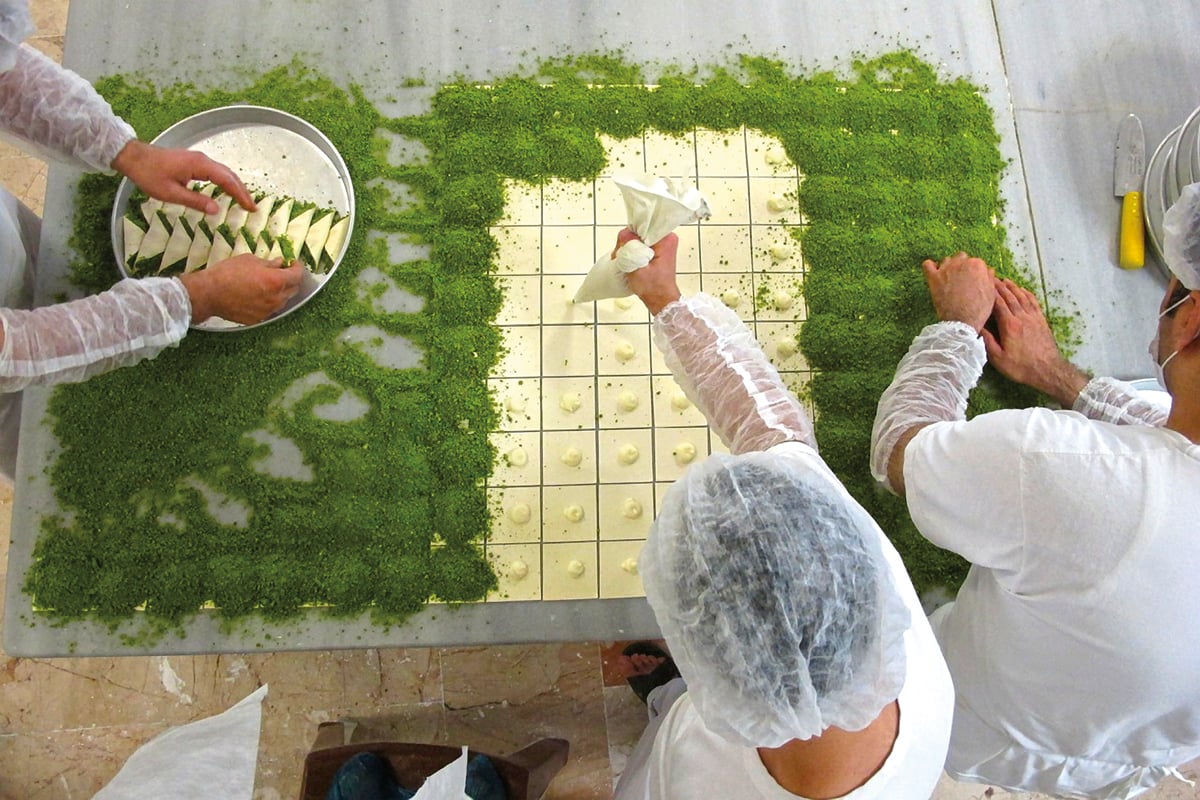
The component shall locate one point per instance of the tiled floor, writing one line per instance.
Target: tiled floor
(66, 725)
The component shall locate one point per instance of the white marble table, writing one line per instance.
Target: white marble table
(1075, 69)
(1058, 76)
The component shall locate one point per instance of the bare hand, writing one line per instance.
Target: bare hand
(961, 289)
(243, 289)
(1025, 350)
(654, 284)
(165, 174)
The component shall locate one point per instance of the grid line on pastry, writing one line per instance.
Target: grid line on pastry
(582, 384)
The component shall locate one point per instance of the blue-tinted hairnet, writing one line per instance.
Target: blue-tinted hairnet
(770, 586)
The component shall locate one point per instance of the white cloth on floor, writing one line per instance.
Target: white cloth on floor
(213, 757)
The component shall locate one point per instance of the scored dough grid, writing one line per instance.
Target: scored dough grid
(593, 429)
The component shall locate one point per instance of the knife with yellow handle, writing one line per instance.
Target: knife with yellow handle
(1127, 184)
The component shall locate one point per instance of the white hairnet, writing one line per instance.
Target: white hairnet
(15, 26)
(1181, 237)
(770, 586)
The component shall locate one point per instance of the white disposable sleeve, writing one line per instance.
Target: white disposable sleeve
(1111, 400)
(73, 341)
(58, 114)
(15, 25)
(932, 382)
(720, 367)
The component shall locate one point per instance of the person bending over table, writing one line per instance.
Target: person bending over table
(1073, 641)
(56, 113)
(808, 668)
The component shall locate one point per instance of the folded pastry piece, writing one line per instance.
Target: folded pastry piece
(167, 238)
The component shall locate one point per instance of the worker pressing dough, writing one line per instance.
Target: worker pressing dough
(55, 113)
(807, 666)
(1073, 642)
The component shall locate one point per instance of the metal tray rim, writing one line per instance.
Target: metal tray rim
(187, 131)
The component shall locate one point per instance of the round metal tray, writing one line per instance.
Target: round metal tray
(1180, 162)
(1157, 195)
(271, 151)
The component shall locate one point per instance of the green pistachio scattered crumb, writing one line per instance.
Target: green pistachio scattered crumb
(899, 166)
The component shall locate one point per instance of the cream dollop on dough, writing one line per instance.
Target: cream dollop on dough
(520, 513)
(631, 508)
(778, 202)
(685, 453)
(627, 401)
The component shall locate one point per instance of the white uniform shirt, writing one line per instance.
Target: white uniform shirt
(689, 761)
(1073, 642)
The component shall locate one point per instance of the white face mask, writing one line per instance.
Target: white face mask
(1159, 368)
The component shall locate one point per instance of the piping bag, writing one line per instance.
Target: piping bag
(654, 208)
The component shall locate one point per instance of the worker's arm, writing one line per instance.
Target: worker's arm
(57, 114)
(1024, 350)
(941, 367)
(135, 320)
(717, 362)
(931, 385)
(1111, 400)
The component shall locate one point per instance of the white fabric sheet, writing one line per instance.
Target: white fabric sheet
(211, 758)
(653, 207)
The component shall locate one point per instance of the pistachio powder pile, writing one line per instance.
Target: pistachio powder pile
(899, 167)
